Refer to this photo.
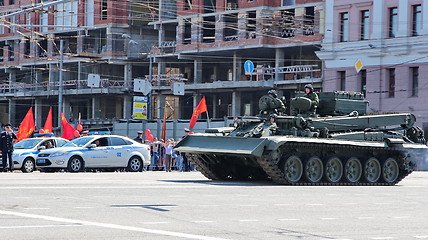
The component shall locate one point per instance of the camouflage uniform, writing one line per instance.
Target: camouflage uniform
(315, 101)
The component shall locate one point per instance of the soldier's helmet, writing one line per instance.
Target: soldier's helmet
(310, 87)
(273, 93)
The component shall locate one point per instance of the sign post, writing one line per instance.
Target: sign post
(249, 68)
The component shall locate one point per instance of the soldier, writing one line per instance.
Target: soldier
(313, 96)
(6, 146)
(278, 102)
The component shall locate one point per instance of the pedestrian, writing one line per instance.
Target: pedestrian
(155, 146)
(169, 146)
(313, 96)
(7, 138)
(139, 137)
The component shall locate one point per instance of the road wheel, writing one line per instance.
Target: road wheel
(28, 165)
(314, 169)
(293, 169)
(135, 165)
(353, 170)
(333, 170)
(390, 170)
(75, 164)
(372, 170)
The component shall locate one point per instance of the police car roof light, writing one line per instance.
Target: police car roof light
(43, 135)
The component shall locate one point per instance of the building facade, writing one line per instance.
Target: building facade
(208, 42)
(388, 38)
(102, 37)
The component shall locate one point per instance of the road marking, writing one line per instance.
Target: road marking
(315, 204)
(248, 220)
(351, 203)
(420, 237)
(42, 226)
(282, 204)
(109, 225)
(84, 207)
(289, 219)
(364, 218)
(382, 203)
(36, 208)
(382, 238)
(203, 221)
(155, 222)
(328, 218)
(209, 205)
(246, 205)
(400, 217)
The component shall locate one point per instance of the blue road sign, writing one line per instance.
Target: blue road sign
(249, 66)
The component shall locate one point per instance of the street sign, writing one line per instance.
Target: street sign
(142, 86)
(249, 66)
(178, 88)
(359, 65)
(94, 80)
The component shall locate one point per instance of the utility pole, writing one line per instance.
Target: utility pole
(61, 74)
(150, 102)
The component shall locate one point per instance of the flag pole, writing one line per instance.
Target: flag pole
(208, 119)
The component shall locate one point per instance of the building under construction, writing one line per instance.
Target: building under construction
(186, 49)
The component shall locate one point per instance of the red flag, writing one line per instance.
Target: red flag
(68, 131)
(164, 124)
(48, 124)
(27, 127)
(202, 107)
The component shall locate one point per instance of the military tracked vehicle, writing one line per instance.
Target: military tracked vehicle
(340, 145)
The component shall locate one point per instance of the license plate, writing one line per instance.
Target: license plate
(41, 161)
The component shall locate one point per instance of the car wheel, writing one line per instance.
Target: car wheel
(135, 165)
(28, 165)
(75, 164)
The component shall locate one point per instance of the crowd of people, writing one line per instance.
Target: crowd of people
(163, 155)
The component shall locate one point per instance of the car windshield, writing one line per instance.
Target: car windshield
(78, 142)
(28, 143)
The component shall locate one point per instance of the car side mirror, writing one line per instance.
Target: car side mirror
(92, 145)
(41, 148)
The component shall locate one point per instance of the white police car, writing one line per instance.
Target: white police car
(97, 151)
(25, 151)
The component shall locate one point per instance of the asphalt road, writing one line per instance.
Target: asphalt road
(159, 205)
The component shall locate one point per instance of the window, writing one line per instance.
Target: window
(342, 79)
(393, 22)
(115, 141)
(417, 20)
(414, 71)
(11, 2)
(67, 14)
(187, 4)
(344, 27)
(363, 81)
(391, 82)
(44, 22)
(365, 25)
(104, 10)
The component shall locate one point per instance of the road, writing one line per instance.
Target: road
(160, 205)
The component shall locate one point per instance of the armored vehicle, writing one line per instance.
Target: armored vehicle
(340, 145)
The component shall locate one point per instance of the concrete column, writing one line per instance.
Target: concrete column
(236, 104)
(38, 113)
(219, 27)
(12, 112)
(279, 62)
(237, 67)
(197, 29)
(96, 107)
(214, 113)
(242, 25)
(197, 76)
(127, 106)
(51, 48)
(160, 106)
(12, 76)
(180, 31)
(66, 108)
(378, 31)
(403, 14)
(424, 30)
(127, 75)
(329, 21)
(80, 38)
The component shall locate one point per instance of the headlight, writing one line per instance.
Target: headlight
(60, 162)
(59, 154)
